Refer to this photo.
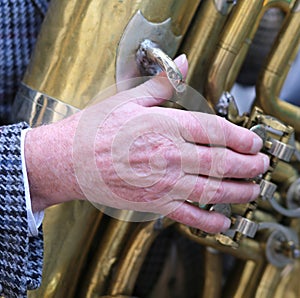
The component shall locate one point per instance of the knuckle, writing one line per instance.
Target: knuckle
(220, 167)
(206, 159)
(246, 144)
(214, 193)
(196, 193)
(209, 226)
(220, 193)
(253, 170)
(226, 127)
(171, 155)
(249, 191)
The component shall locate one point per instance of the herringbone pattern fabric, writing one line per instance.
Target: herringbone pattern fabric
(20, 22)
(20, 256)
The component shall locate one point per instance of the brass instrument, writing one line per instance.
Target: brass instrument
(86, 46)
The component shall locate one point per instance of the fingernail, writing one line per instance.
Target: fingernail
(266, 160)
(226, 224)
(257, 145)
(180, 60)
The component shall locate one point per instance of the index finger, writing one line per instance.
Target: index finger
(210, 129)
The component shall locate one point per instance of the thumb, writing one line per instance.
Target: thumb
(158, 89)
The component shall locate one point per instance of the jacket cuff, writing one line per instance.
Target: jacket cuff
(21, 256)
(34, 219)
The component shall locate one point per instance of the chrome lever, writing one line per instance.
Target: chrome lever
(151, 60)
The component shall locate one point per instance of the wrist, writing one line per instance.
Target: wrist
(49, 162)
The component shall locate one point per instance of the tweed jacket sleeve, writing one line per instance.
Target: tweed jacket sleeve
(21, 256)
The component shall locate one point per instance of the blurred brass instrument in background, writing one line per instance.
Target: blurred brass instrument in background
(88, 45)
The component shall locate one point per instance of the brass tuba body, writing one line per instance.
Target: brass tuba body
(87, 46)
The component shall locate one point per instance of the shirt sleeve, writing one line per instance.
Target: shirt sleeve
(21, 256)
(34, 219)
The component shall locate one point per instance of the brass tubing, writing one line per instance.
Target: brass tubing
(244, 279)
(201, 40)
(213, 273)
(235, 41)
(275, 71)
(74, 59)
(248, 249)
(133, 257)
(268, 282)
(284, 5)
(285, 174)
(289, 285)
(75, 55)
(66, 252)
(94, 280)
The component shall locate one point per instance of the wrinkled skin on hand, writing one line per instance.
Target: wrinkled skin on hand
(126, 152)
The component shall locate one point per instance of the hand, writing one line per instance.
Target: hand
(125, 152)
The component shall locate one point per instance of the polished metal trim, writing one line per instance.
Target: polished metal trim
(150, 56)
(37, 108)
(224, 6)
(159, 33)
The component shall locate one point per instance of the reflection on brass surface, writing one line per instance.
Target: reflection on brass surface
(131, 55)
(247, 275)
(288, 284)
(76, 30)
(213, 273)
(269, 281)
(285, 174)
(69, 229)
(234, 44)
(134, 256)
(275, 72)
(201, 40)
(38, 108)
(74, 59)
(106, 257)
